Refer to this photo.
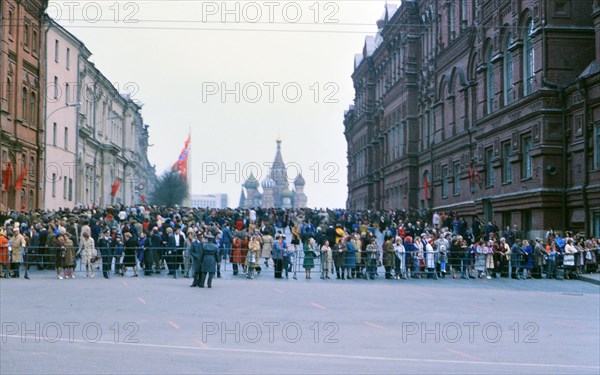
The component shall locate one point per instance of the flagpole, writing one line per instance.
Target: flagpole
(189, 168)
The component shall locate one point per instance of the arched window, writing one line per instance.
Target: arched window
(508, 71)
(24, 104)
(32, 109)
(528, 59)
(489, 81)
(30, 202)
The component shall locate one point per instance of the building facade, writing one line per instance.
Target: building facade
(488, 108)
(63, 57)
(21, 105)
(216, 201)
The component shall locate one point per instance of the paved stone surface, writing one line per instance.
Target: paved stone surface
(161, 325)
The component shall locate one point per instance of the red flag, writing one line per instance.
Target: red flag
(426, 187)
(7, 176)
(471, 176)
(115, 188)
(180, 165)
(143, 198)
(19, 183)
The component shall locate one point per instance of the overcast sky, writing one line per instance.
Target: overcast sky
(282, 71)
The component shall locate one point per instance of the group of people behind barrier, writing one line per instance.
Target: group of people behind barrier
(340, 243)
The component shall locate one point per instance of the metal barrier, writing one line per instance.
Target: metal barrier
(176, 261)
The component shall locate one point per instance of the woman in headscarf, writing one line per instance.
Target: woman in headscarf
(130, 249)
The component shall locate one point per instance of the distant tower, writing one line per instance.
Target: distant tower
(279, 175)
(252, 194)
(299, 196)
(268, 200)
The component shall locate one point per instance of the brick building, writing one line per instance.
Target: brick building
(21, 105)
(488, 107)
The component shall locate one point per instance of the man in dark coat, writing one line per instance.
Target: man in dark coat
(104, 242)
(208, 260)
(195, 254)
(156, 248)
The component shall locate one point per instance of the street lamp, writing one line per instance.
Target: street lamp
(77, 104)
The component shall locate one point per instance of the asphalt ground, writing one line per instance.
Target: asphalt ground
(160, 325)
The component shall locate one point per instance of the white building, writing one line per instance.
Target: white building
(215, 201)
(64, 54)
(97, 142)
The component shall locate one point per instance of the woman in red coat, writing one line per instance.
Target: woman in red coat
(236, 254)
(3, 253)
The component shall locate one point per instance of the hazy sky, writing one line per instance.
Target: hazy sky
(273, 68)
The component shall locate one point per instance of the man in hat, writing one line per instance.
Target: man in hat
(208, 260)
(195, 253)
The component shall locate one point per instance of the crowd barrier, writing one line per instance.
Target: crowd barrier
(404, 266)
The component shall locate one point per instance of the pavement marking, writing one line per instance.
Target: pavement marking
(569, 325)
(173, 324)
(318, 306)
(465, 355)
(143, 301)
(373, 325)
(124, 282)
(201, 344)
(318, 355)
(278, 290)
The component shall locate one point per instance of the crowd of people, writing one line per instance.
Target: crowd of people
(204, 243)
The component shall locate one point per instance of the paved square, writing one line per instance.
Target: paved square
(161, 325)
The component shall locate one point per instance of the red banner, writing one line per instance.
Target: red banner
(426, 187)
(115, 188)
(7, 176)
(19, 183)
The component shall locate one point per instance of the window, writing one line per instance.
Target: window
(489, 168)
(34, 41)
(24, 104)
(67, 93)
(11, 22)
(55, 87)
(30, 201)
(26, 35)
(32, 167)
(32, 109)
(456, 178)
(463, 12)
(451, 21)
(506, 167)
(445, 181)
(9, 91)
(54, 130)
(56, 50)
(53, 185)
(527, 165)
(508, 71)
(597, 146)
(65, 187)
(68, 58)
(491, 90)
(528, 59)
(66, 138)
(70, 189)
